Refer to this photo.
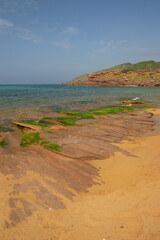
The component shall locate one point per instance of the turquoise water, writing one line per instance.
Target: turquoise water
(19, 99)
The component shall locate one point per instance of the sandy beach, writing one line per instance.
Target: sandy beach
(116, 198)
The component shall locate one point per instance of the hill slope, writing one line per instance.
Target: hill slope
(78, 80)
(119, 67)
(142, 74)
(145, 65)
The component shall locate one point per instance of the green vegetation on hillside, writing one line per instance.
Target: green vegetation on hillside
(119, 67)
(145, 65)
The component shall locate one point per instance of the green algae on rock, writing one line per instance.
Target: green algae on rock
(112, 110)
(115, 109)
(3, 143)
(82, 115)
(30, 138)
(67, 121)
(143, 107)
(51, 146)
(51, 130)
(46, 122)
(104, 111)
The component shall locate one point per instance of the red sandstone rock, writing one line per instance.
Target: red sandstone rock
(143, 78)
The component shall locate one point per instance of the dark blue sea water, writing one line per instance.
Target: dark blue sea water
(19, 99)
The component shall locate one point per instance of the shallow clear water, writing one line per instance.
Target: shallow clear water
(15, 99)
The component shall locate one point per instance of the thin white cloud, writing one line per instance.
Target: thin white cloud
(61, 44)
(108, 45)
(18, 6)
(31, 3)
(27, 35)
(5, 24)
(120, 42)
(71, 31)
(102, 42)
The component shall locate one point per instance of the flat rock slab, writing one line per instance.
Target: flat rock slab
(60, 177)
(25, 125)
(50, 177)
(84, 151)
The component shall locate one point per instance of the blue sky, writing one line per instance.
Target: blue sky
(52, 41)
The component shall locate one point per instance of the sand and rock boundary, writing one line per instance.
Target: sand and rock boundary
(74, 193)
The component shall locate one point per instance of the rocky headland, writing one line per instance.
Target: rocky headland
(143, 74)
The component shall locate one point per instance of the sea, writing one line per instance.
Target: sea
(24, 100)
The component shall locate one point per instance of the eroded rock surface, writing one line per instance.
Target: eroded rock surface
(38, 177)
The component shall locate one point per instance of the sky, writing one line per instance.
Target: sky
(53, 41)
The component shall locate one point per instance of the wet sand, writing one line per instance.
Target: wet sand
(110, 194)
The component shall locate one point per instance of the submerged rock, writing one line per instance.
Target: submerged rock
(132, 102)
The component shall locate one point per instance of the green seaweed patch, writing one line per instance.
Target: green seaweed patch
(51, 131)
(120, 109)
(6, 129)
(142, 107)
(67, 121)
(30, 138)
(44, 122)
(99, 112)
(112, 110)
(51, 146)
(3, 143)
(82, 115)
(45, 142)
(71, 121)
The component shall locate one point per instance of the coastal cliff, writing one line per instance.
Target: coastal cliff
(143, 74)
